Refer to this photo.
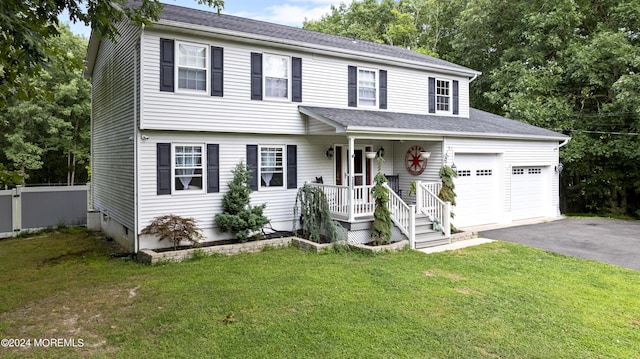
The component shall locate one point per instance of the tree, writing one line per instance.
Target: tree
(27, 25)
(45, 138)
(570, 67)
(239, 217)
(382, 221)
(175, 229)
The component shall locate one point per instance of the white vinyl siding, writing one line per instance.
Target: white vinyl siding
(324, 83)
(311, 163)
(113, 127)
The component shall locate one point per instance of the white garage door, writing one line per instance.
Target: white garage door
(476, 189)
(528, 195)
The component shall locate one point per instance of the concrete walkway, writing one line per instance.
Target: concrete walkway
(476, 229)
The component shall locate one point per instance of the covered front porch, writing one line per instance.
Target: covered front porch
(408, 157)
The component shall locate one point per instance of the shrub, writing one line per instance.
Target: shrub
(382, 222)
(175, 229)
(314, 214)
(238, 216)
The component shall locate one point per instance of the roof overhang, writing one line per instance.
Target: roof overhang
(380, 132)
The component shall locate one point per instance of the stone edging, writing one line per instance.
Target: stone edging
(463, 236)
(149, 256)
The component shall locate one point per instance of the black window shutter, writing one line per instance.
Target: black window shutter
(256, 76)
(456, 109)
(217, 67)
(292, 166)
(353, 86)
(296, 79)
(166, 65)
(163, 153)
(383, 89)
(213, 168)
(252, 166)
(432, 95)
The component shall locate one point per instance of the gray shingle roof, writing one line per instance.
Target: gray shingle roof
(289, 33)
(479, 123)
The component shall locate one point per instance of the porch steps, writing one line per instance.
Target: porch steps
(425, 235)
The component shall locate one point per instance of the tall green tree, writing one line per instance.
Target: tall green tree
(46, 138)
(26, 26)
(569, 66)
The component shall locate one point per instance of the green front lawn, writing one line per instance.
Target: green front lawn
(497, 300)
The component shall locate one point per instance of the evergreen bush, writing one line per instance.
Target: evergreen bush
(239, 217)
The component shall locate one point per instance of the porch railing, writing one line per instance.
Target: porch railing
(337, 197)
(403, 215)
(427, 202)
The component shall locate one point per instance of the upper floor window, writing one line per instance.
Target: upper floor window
(276, 76)
(367, 87)
(188, 166)
(192, 67)
(443, 95)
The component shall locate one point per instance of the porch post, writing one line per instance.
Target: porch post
(351, 177)
(419, 195)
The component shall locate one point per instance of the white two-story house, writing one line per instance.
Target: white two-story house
(176, 105)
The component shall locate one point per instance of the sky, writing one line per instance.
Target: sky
(286, 12)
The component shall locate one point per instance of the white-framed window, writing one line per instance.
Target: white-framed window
(188, 173)
(443, 95)
(367, 87)
(277, 71)
(192, 67)
(272, 166)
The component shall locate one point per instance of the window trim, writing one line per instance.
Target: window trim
(264, 79)
(203, 167)
(449, 96)
(283, 148)
(376, 88)
(207, 61)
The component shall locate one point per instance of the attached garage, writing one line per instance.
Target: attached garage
(529, 194)
(477, 200)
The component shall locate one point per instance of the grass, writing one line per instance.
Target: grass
(498, 300)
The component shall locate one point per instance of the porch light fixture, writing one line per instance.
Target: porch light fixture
(380, 152)
(371, 155)
(425, 155)
(454, 168)
(559, 168)
(329, 153)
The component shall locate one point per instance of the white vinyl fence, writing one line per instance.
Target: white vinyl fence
(30, 208)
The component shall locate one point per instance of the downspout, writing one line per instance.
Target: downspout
(564, 142)
(136, 117)
(474, 77)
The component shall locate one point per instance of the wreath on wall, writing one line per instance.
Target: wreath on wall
(414, 162)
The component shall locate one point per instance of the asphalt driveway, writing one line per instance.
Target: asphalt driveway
(610, 241)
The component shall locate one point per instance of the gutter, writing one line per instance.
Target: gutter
(413, 133)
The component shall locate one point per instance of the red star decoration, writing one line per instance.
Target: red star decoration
(415, 161)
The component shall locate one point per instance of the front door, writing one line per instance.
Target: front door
(342, 166)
